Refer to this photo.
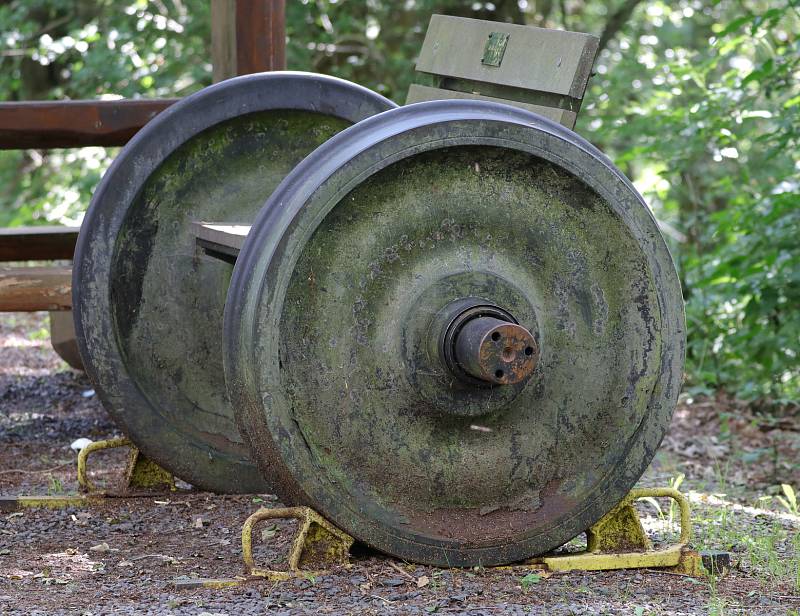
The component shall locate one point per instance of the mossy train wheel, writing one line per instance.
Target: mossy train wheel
(364, 307)
(148, 305)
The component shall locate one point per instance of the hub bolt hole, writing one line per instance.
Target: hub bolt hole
(528, 350)
(496, 336)
(498, 374)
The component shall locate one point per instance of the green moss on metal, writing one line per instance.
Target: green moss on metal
(530, 238)
(168, 299)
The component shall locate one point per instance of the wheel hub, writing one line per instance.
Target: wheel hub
(484, 346)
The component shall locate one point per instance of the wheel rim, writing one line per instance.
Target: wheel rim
(148, 308)
(334, 298)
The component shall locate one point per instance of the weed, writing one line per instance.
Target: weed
(54, 485)
(716, 603)
(43, 333)
(790, 502)
(529, 580)
(675, 484)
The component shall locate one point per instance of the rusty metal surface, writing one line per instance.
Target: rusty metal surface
(337, 297)
(148, 305)
(72, 124)
(496, 351)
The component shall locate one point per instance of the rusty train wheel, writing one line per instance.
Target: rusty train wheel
(148, 307)
(456, 331)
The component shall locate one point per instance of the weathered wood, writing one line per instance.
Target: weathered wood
(553, 61)
(29, 289)
(63, 339)
(220, 240)
(532, 68)
(223, 39)
(37, 243)
(68, 124)
(260, 36)
(418, 93)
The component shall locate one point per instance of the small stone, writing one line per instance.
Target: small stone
(393, 582)
(79, 444)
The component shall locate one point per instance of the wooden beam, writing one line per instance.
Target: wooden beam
(63, 339)
(71, 124)
(260, 36)
(37, 243)
(29, 289)
(220, 240)
(223, 39)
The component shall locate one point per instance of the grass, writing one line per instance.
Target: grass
(54, 486)
(761, 532)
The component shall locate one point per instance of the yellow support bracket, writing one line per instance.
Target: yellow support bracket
(318, 543)
(141, 473)
(10, 504)
(618, 541)
(142, 476)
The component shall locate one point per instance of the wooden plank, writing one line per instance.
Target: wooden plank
(69, 124)
(63, 338)
(553, 61)
(29, 289)
(223, 39)
(418, 93)
(37, 243)
(220, 240)
(260, 36)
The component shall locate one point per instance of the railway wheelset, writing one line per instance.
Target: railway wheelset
(452, 328)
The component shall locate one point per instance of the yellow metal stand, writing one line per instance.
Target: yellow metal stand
(318, 543)
(141, 474)
(142, 477)
(618, 541)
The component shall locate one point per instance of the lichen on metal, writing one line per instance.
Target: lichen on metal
(142, 473)
(15, 503)
(148, 305)
(317, 545)
(338, 303)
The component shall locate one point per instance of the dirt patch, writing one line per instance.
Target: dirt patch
(125, 555)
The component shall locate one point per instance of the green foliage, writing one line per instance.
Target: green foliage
(697, 100)
(55, 49)
(790, 502)
(529, 580)
(710, 132)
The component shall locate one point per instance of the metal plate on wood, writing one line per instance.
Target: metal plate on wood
(495, 48)
(148, 304)
(342, 303)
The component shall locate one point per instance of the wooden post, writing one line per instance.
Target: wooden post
(223, 39)
(247, 36)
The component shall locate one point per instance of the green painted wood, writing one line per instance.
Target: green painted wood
(418, 94)
(539, 59)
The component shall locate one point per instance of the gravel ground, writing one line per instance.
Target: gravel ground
(125, 555)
